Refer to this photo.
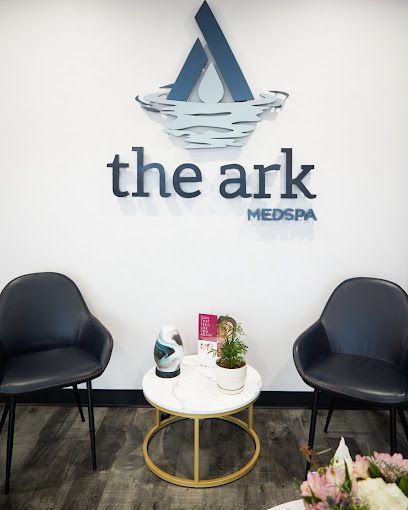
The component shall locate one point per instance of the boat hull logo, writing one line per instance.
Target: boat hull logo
(210, 105)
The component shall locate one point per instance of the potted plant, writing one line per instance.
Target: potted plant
(230, 368)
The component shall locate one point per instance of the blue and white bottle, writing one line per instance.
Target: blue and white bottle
(168, 352)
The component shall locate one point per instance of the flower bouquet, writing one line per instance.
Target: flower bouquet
(377, 482)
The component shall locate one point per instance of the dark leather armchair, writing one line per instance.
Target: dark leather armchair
(48, 339)
(359, 349)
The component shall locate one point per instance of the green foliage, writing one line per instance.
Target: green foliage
(233, 350)
(403, 485)
(373, 471)
(312, 500)
(347, 484)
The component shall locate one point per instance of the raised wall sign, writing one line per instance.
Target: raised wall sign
(227, 121)
(210, 105)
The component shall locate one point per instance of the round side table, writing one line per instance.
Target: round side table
(195, 395)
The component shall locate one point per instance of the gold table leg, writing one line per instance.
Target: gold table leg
(196, 482)
(196, 450)
(251, 417)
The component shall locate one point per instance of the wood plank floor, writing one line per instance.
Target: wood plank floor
(52, 464)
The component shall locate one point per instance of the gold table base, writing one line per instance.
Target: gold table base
(197, 482)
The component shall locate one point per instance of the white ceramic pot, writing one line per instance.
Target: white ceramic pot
(230, 380)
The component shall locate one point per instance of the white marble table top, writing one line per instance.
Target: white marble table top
(291, 505)
(195, 391)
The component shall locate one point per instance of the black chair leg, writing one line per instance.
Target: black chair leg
(393, 430)
(329, 414)
(10, 438)
(91, 424)
(312, 425)
(403, 421)
(4, 415)
(78, 401)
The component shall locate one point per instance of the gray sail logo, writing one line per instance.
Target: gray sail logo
(210, 105)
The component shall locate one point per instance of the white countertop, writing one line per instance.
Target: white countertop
(195, 391)
(291, 505)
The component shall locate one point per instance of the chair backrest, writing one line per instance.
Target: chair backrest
(368, 317)
(40, 311)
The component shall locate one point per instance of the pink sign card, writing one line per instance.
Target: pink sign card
(207, 327)
(207, 339)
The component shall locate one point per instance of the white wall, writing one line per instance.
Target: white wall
(69, 74)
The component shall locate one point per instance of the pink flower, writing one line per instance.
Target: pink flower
(305, 491)
(361, 465)
(391, 467)
(335, 475)
(331, 487)
(323, 489)
(314, 486)
(397, 459)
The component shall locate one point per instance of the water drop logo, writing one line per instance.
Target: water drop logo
(210, 105)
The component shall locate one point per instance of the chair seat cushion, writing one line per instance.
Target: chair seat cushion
(359, 377)
(47, 369)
